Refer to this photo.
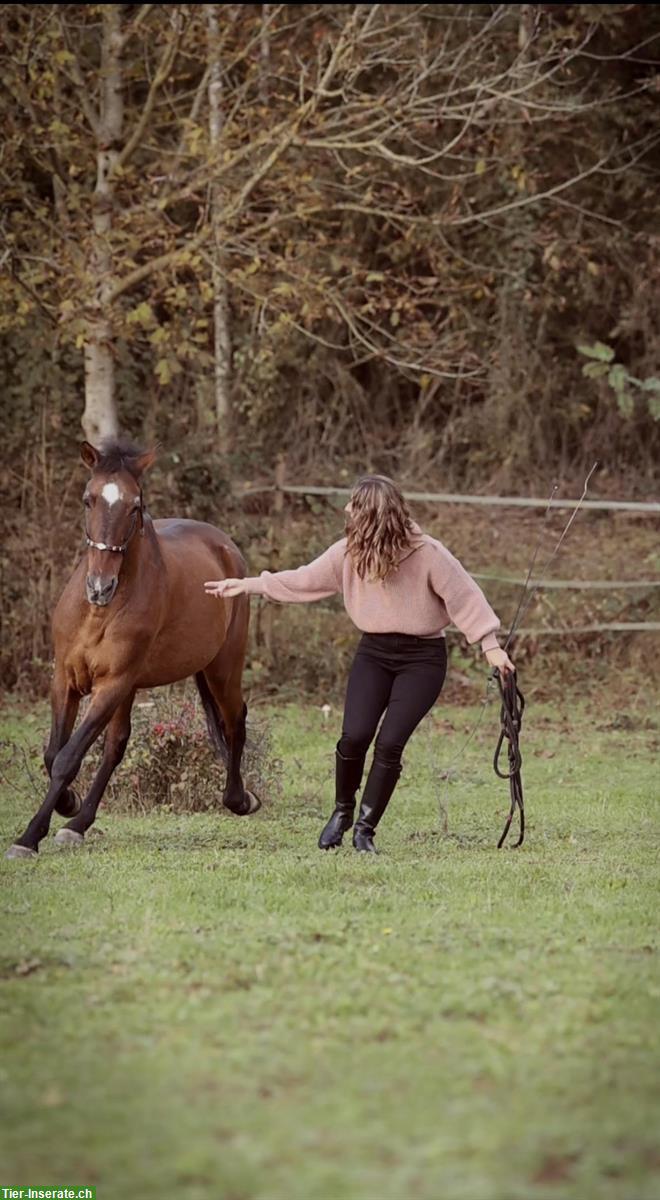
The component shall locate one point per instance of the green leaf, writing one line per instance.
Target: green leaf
(595, 370)
(618, 378)
(654, 407)
(625, 404)
(163, 371)
(598, 350)
(651, 385)
(142, 315)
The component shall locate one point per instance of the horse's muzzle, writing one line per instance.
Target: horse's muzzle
(99, 591)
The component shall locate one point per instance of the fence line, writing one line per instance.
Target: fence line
(302, 489)
(280, 488)
(577, 585)
(563, 631)
(613, 627)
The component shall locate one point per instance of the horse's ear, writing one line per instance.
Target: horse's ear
(146, 460)
(89, 455)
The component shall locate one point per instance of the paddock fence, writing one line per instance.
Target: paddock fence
(279, 488)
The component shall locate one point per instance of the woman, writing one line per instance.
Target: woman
(401, 588)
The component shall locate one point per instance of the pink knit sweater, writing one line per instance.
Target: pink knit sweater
(429, 589)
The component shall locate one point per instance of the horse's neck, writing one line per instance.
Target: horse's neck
(143, 564)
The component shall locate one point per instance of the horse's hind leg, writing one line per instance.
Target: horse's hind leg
(230, 714)
(214, 722)
(116, 740)
(64, 710)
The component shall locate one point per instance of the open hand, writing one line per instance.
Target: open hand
(224, 589)
(500, 659)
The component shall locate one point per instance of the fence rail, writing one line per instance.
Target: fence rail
(280, 488)
(570, 630)
(577, 585)
(303, 489)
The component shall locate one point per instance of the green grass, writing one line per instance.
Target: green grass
(207, 1007)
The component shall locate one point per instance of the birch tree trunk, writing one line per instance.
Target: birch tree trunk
(221, 329)
(100, 415)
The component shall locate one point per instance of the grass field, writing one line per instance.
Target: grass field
(208, 1008)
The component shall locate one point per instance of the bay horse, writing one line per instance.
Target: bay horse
(134, 614)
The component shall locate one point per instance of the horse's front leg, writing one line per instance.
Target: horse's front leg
(65, 703)
(65, 767)
(116, 740)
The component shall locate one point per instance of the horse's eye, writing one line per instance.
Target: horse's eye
(87, 501)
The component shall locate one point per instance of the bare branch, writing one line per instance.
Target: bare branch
(162, 72)
(374, 350)
(304, 112)
(526, 201)
(193, 114)
(627, 54)
(153, 266)
(78, 80)
(136, 23)
(33, 295)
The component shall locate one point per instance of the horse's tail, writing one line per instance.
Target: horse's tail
(214, 722)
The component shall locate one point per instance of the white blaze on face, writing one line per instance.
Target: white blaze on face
(111, 493)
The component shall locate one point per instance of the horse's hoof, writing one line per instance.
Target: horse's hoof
(69, 837)
(250, 804)
(17, 851)
(255, 803)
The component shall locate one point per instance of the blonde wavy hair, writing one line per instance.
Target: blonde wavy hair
(379, 526)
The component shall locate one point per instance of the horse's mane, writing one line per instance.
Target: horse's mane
(116, 454)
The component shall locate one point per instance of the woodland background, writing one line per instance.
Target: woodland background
(421, 239)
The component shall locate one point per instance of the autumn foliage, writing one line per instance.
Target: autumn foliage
(407, 217)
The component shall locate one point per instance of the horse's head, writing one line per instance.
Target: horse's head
(113, 512)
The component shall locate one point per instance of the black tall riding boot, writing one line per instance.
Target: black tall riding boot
(378, 789)
(348, 777)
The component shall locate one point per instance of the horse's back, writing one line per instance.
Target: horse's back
(177, 534)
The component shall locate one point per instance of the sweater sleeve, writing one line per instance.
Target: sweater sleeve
(315, 581)
(463, 598)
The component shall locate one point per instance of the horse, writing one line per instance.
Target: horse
(134, 614)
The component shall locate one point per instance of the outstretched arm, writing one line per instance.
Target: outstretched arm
(314, 581)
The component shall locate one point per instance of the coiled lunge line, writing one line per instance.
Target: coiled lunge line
(511, 713)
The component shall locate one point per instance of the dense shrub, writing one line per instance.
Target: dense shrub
(169, 762)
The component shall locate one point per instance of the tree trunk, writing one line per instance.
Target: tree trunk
(100, 415)
(221, 329)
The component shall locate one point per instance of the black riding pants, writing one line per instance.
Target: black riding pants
(396, 674)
